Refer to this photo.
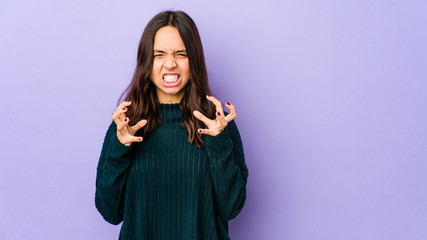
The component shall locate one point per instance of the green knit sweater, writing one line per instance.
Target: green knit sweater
(167, 188)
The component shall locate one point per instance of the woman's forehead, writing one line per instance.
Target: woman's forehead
(168, 39)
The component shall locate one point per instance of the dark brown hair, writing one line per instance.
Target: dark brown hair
(142, 91)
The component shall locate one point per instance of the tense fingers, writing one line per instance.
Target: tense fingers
(233, 113)
(202, 117)
(119, 116)
(121, 123)
(139, 125)
(119, 113)
(124, 104)
(220, 112)
(206, 131)
(220, 119)
(217, 103)
(133, 139)
(125, 133)
(136, 139)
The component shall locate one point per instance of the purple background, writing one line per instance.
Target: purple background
(331, 97)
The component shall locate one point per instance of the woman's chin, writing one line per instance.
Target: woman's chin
(174, 91)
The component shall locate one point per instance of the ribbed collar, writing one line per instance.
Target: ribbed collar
(171, 112)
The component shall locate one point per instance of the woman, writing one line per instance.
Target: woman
(172, 163)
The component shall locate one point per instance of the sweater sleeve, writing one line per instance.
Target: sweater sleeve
(229, 171)
(111, 176)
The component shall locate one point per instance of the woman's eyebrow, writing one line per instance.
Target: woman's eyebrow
(161, 51)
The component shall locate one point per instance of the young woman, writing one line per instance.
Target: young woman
(172, 164)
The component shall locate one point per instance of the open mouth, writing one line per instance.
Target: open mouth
(171, 80)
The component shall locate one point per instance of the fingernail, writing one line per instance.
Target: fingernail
(218, 113)
(128, 101)
(200, 130)
(208, 95)
(126, 120)
(140, 139)
(124, 108)
(228, 103)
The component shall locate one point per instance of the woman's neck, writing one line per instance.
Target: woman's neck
(170, 98)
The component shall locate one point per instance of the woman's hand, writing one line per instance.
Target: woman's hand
(217, 125)
(125, 133)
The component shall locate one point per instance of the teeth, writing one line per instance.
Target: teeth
(170, 78)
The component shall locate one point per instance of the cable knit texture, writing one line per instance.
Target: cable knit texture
(166, 188)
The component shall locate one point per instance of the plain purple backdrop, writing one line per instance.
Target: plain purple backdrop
(331, 97)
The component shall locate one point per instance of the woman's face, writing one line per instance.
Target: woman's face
(171, 69)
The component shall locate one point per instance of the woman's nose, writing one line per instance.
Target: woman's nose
(170, 62)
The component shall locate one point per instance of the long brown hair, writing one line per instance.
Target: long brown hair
(142, 91)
